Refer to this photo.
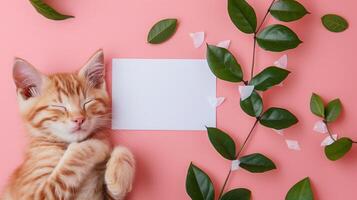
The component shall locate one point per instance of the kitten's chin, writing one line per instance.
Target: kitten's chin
(62, 136)
(77, 136)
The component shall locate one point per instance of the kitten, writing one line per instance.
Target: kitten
(69, 156)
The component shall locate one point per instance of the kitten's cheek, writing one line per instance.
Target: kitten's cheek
(86, 125)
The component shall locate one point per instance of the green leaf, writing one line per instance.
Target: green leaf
(333, 110)
(278, 38)
(222, 142)
(256, 163)
(252, 105)
(334, 23)
(223, 64)
(47, 11)
(338, 149)
(288, 10)
(242, 15)
(278, 118)
(162, 31)
(198, 184)
(268, 78)
(300, 191)
(237, 194)
(317, 105)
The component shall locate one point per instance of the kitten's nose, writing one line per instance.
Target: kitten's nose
(78, 120)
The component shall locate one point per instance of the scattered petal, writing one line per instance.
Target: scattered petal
(198, 38)
(320, 127)
(245, 91)
(216, 101)
(282, 62)
(224, 44)
(235, 165)
(280, 132)
(328, 140)
(293, 145)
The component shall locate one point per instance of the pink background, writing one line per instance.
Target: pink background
(324, 63)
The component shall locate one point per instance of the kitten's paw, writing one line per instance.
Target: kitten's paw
(119, 174)
(95, 149)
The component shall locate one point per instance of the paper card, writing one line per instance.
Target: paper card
(162, 94)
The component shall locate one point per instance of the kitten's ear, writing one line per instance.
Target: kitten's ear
(94, 71)
(27, 79)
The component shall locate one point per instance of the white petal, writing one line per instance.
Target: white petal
(198, 38)
(224, 44)
(235, 165)
(216, 101)
(280, 132)
(245, 91)
(328, 140)
(282, 62)
(293, 145)
(320, 127)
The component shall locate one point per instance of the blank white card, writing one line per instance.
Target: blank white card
(162, 94)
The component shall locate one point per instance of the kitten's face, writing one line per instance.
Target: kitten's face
(68, 106)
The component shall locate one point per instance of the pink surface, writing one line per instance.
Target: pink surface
(324, 63)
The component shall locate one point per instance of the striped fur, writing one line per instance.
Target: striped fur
(69, 156)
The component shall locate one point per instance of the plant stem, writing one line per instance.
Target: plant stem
(246, 82)
(330, 133)
(328, 130)
(255, 39)
(253, 57)
(239, 152)
(247, 138)
(264, 18)
(225, 183)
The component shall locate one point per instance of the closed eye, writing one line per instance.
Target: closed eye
(60, 107)
(86, 103)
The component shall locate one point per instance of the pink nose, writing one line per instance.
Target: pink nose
(78, 120)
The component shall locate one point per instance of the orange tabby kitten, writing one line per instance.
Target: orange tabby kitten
(69, 156)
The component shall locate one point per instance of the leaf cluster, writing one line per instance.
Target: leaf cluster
(330, 113)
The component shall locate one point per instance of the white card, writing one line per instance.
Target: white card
(162, 94)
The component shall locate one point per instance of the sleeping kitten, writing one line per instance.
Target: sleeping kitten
(69, 156)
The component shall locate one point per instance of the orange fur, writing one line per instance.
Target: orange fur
(69, 155)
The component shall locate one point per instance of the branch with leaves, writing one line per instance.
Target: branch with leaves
(330, 113)
(223, 64)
